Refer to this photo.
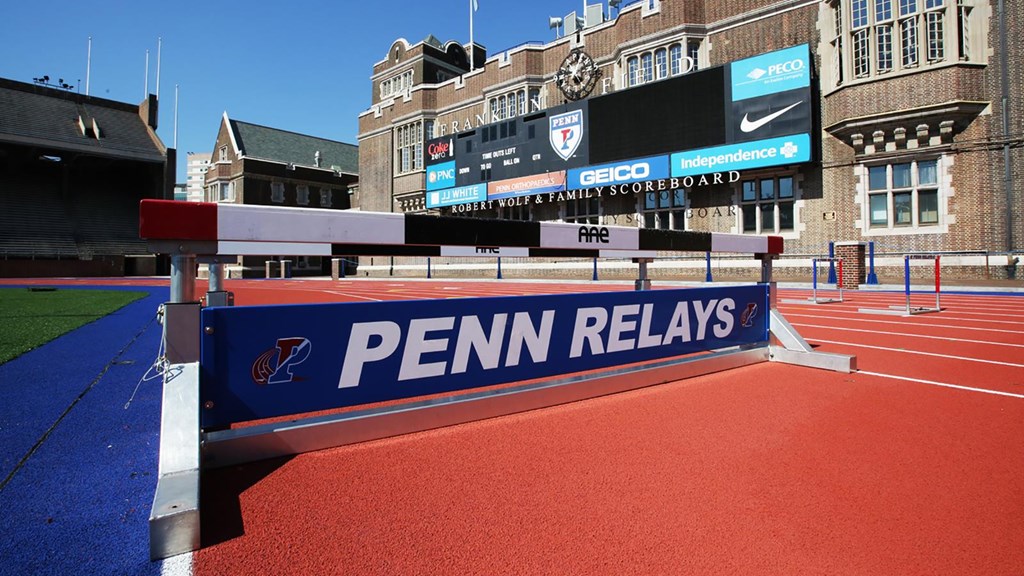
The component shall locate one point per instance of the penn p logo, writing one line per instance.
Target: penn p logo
(748, 314)
(566, 132)
(275, 365)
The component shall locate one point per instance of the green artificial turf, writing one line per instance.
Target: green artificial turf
(31, 317)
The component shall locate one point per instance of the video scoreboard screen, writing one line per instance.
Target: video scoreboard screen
(751, 113)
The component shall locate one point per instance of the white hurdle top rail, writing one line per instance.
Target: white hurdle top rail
(213, 229)
(216, 231)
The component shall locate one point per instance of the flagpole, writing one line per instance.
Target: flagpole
(471, 50)
(88, 66)
(159, 42)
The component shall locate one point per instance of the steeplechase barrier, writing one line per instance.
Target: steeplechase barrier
(909, 309)
(395, 367)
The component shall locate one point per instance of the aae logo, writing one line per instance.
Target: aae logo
(591, 234)
(275, 365)
(566, 132)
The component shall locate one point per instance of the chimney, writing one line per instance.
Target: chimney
(148, 111)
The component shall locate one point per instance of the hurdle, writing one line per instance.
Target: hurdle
(435, 363)
(907, 309)
(836, 263)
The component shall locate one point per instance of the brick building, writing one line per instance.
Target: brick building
(916, 130)
(254, 164)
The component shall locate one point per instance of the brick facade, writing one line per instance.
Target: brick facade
(949, 110)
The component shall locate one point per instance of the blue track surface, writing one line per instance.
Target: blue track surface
(79, 470)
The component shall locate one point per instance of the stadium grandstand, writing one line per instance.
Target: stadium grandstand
(73, 169)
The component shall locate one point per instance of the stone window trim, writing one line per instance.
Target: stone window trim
(581, 211)
(915, 201)
(643, 64)
(793, 202)
(396, 84)
(868, 40)
(408, 146)
(663, 209)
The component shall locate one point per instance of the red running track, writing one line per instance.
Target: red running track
(911, 466)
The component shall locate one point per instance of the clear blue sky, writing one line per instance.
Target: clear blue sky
(300, 66)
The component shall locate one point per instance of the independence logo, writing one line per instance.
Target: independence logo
(757, 154)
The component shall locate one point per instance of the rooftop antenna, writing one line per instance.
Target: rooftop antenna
(553, 23)
(613, 4)
(145, 89)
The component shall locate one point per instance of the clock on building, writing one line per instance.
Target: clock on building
(577, 75)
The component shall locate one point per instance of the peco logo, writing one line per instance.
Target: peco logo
(591, 234)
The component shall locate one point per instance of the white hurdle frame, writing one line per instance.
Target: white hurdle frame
(210, 233)
(908, 309)
(814, 284)
(839, 281)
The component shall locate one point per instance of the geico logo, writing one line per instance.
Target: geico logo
(593, 234)
(615, 174)
(785, 67)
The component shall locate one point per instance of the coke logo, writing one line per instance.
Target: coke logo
(438, 148)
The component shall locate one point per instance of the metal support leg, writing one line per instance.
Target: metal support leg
(216, 277)
(183, 278)
(642, 281)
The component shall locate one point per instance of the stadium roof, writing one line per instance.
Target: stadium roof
(261, 142)
(34, 115)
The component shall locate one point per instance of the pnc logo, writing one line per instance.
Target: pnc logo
(623, 173)
(486, 250)
(591, 234)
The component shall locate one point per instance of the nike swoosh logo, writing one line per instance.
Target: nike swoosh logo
(749, 126)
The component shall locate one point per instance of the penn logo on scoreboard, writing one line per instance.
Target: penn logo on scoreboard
(566, 132)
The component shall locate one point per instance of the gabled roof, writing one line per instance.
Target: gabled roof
(260, 142)
(41, 116)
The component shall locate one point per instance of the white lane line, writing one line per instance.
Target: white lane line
(922, 324)
(350, 295)
(180, 565)
(904, 334)
(966, 358)
(941, 384)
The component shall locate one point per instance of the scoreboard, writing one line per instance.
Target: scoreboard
(748, 114)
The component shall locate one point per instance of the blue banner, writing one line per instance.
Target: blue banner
(757, 154)
(460, 195)
(266, 361)
(773, 72)
(639, 170)
(441, 176)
